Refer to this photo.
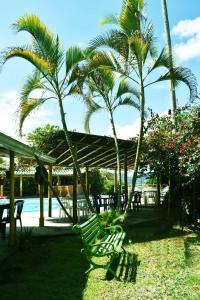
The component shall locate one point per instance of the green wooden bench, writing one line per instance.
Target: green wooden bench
(99, 242)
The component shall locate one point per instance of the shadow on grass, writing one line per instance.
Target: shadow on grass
(189, 243)
(52, 268)
(124, 266)
(151, 231)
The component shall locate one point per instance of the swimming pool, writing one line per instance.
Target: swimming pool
(33, 204)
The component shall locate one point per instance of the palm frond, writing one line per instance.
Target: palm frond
(103, 78)
(129, 100)
(44, 42)
(39, 62)
(32, 83)
(74, 55)
(164, 60)
(92, 107)
(131, 16)
(125, 88)
(104, 60)
(114, 40)
(26, 107)
(110, 19)
(139, 47)
(150, 42)
(75, 89)
(182, 75)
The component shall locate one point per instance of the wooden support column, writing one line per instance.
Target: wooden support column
(75, 218)
(87, 184)
(125, 179)
(115, 181)
(1, 191)
(21, 186)
(41, 220)
(12, 235)
(50, 192)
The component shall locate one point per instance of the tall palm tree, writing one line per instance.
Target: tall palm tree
(103, 85)
(49, 59)
(133, 54)
(169, 50)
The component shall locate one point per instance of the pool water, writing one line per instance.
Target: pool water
(33, 204)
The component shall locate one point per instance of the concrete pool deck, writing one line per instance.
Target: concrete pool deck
(60, 225)
(52, 226)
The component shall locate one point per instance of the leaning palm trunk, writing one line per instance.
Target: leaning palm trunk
(72, 151)
(169, 48)
(139, 147)
(53, 190)
(118, 161)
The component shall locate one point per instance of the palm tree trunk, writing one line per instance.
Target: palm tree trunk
(73, 154)
(139, 146)
(118, 161)
(169, 48)
(49, 184)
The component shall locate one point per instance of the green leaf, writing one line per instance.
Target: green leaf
(109, 19)
(32, 83)
(26, 107)
(131, 16)
(74, 55)
(92, 107)
(124, 87)
(182, 75)
(45, 45)
(39, 62)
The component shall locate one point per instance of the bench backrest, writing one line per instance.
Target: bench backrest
(89, 230)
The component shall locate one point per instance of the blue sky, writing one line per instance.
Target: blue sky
(77, 22)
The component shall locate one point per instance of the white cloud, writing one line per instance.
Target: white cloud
(126, 131)
(189, 48)
(187, 28)
(9, 124)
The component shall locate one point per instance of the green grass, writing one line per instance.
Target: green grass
(166, 265)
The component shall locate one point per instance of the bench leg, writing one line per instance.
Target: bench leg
(94, 266)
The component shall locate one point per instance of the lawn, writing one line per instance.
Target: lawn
(165, 265)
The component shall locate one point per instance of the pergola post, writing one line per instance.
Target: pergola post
(12, 235)
(125, 179)
(74, 195)
(87, 184)
(21, 186)
(41, 191)
(50, 192)
(1, 191)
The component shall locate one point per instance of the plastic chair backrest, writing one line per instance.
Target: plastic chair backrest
(18, 208)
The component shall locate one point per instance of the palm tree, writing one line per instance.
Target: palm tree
(49, 59)
(133, 54)
(169, 49)
(103, 85)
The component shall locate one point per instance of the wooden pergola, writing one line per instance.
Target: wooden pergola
(12, 148)
(91, 151)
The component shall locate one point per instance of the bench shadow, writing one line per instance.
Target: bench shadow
(124, 266)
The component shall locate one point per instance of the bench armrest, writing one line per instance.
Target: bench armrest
(113, 229)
